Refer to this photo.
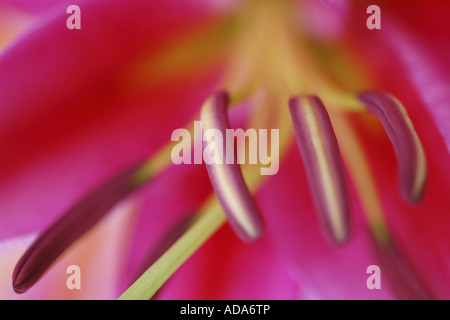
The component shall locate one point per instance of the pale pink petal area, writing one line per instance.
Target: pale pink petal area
(12, 22)
(325, 19)
(295, 235)
(227, 268)
(100, 254)
(72, 114)
(36, 7)
(42, 6)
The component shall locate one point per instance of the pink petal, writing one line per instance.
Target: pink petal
(324, 19)
(429, 77)
(76, 126)
(37, 7)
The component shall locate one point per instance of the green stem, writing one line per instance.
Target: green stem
(206, 225)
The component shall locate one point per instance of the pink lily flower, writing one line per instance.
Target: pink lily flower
(86, 118)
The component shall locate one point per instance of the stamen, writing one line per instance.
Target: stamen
(406, 143)
(321, 157)
(70, 226)
(226, 177)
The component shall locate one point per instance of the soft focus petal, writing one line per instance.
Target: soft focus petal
(12, 23)
(76, 126)
(36, 7)
(324, 19)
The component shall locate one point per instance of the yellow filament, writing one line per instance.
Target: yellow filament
(359, 169)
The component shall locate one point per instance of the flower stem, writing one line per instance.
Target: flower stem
(209, 221)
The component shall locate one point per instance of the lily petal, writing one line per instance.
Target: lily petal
(320, 154)
(86, 118)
